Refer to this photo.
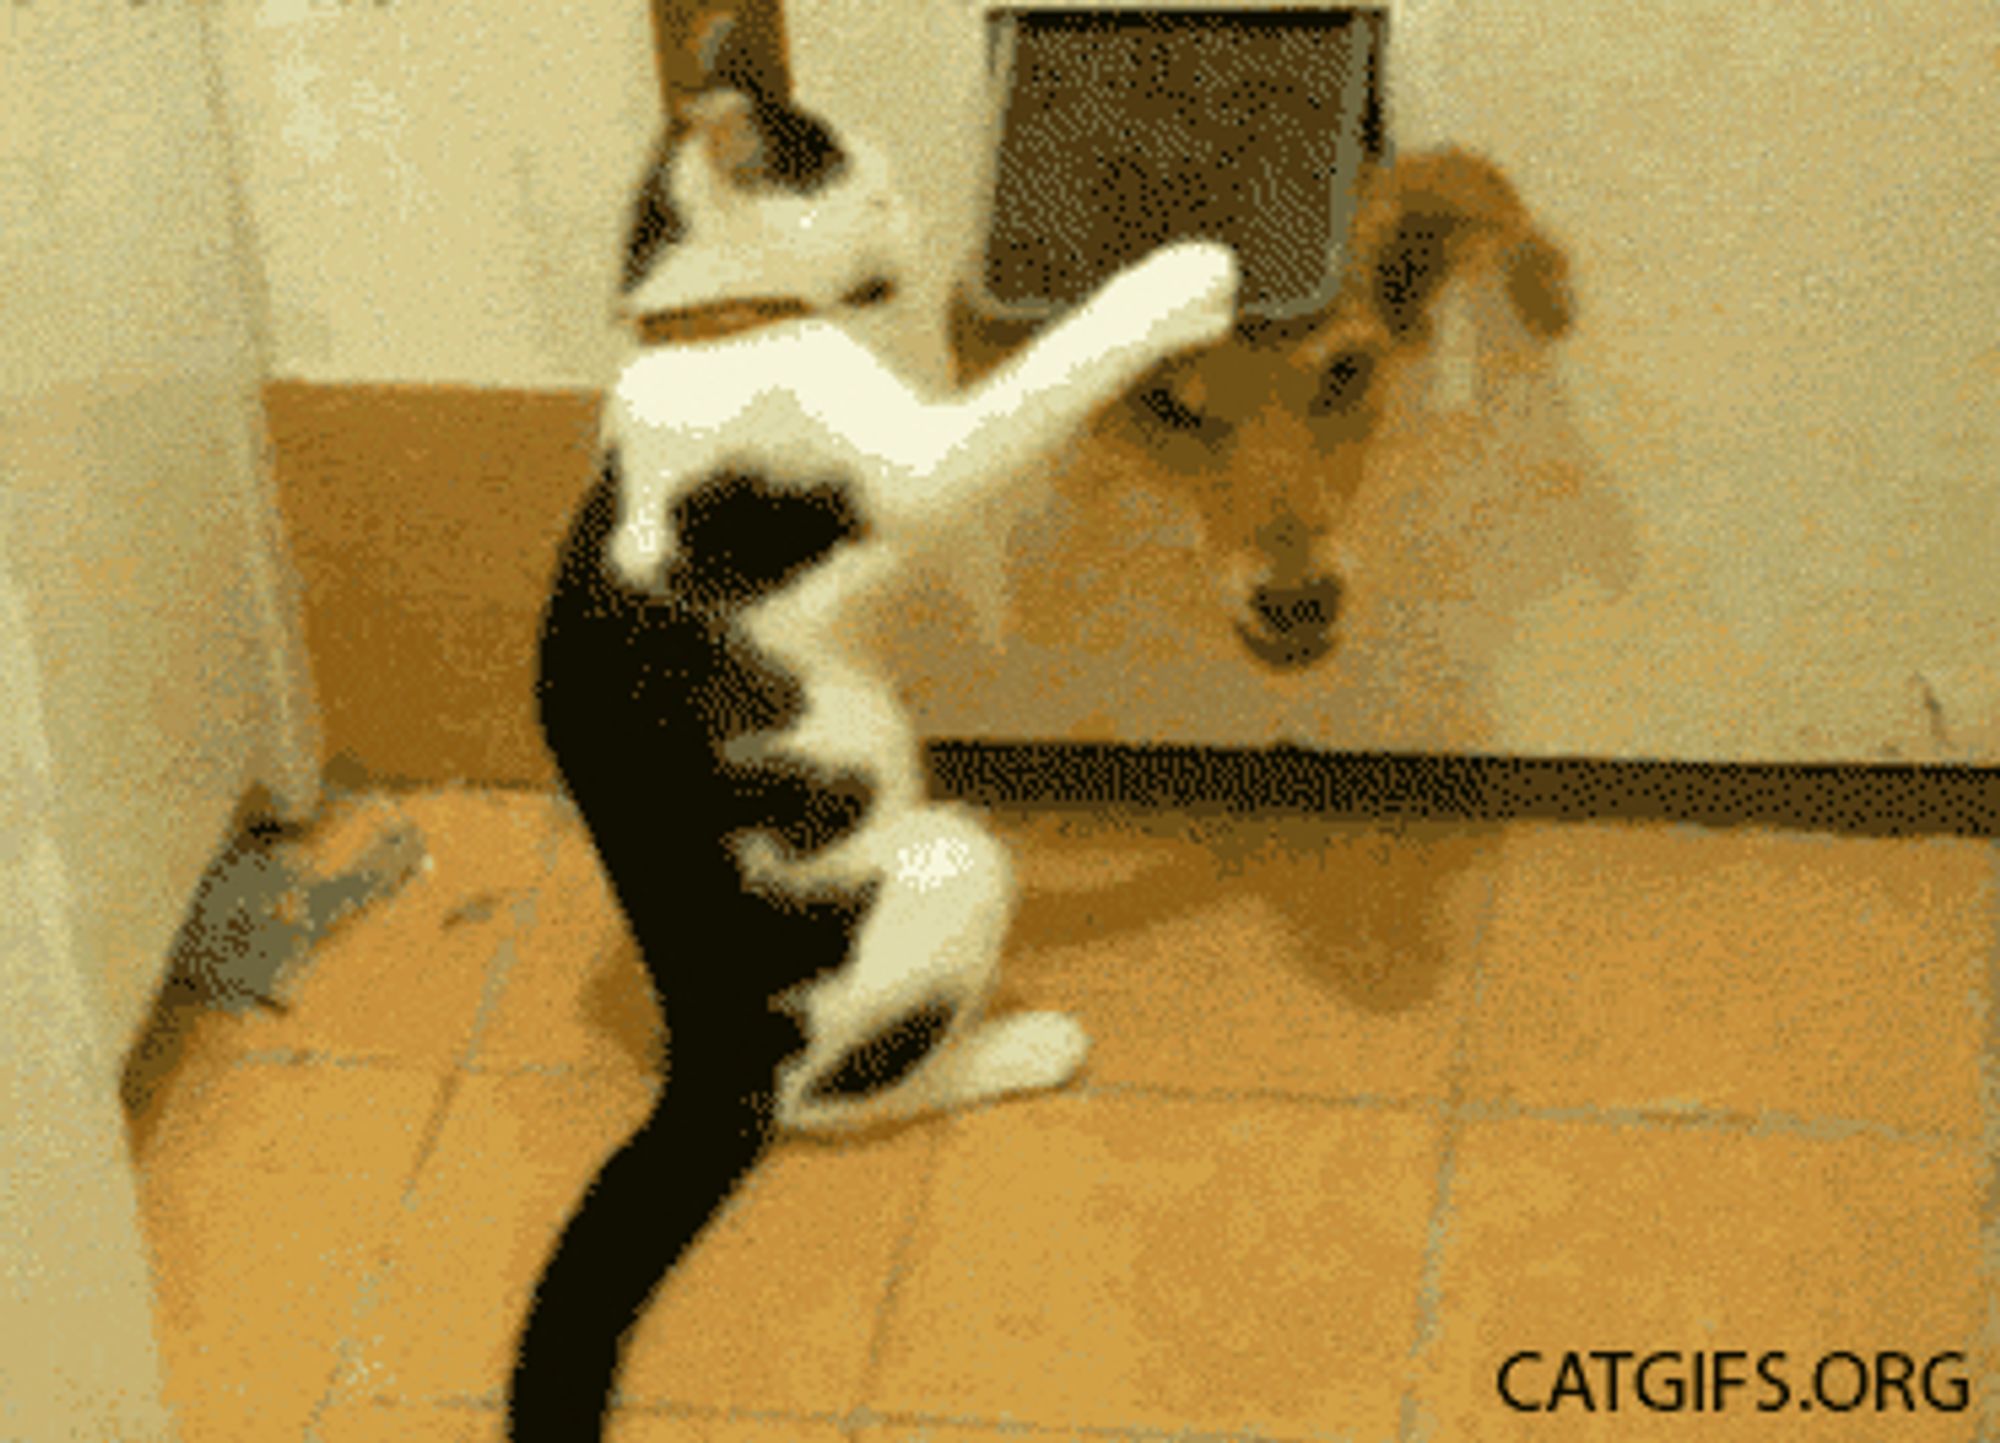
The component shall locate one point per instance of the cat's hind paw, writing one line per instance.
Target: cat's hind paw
(1027, 1052)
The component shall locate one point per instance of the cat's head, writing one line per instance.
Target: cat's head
(752, 197)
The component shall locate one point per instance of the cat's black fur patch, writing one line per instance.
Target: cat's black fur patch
(740, 536)
(805, 808)
(640, 692)
(889, 1056)
(741, 690)
(656, 221)
(800, 153)
(640, 689)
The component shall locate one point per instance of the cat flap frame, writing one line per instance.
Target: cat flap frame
(1116, 128)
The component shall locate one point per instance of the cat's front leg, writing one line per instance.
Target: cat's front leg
(1180, 296)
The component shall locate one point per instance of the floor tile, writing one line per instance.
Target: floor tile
(1278, 953)
(780, 1309)
(961, 1432)
(398, 1423)
(417, 1423)
(257, 1271)
(402, 979)
(485, 841)
(946, 1433)
(266, 1193)
(575, 993)
(927, 1432)
(1166, 1262)
(1681, 969)
(1570, 1236)
(514, 1153)
(313, 1117)
(773, 1311)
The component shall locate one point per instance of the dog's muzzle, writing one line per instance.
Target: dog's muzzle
(1293, 626)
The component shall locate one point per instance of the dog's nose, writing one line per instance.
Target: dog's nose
(1295, 623)
(1309, 606)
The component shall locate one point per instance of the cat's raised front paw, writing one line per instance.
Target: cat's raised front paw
(1193, 287)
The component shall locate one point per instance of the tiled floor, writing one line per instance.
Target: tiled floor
(1372, 1109)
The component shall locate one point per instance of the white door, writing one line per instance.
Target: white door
(147, 657)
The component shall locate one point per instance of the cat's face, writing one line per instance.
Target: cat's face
(758, 199)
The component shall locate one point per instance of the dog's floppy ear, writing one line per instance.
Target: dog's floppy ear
(1434, 211)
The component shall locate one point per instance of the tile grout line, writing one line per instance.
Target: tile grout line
(1413, 1423)
(1821, 1127)
(1108, 1432)
(499, 967)
(506, 955)
(368, 1296)
(347, 1345)
(1169, 1092)
(1768, 1123)
(860, 1415)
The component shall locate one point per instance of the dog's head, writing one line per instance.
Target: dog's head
(1269, 432)
(1266, 435)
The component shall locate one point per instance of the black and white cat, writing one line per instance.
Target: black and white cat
(822, 937)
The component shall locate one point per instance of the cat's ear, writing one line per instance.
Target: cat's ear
(725, 123)
(741, 52)
(710, 42)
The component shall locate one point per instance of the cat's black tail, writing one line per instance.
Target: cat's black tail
(645, 1209)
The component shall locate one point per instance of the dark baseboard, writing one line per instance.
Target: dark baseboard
(1864, 799)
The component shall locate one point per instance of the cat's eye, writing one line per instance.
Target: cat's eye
(877, 290)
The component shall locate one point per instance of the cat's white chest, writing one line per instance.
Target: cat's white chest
(798, 403)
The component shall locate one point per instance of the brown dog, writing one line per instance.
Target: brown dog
(1268, 432)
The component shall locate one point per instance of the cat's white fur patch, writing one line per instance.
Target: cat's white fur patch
(932, 864)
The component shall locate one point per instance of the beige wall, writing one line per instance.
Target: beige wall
(1790, 366)
(436, 190)
(1776, 473)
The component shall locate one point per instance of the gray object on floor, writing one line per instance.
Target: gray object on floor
(260, 910)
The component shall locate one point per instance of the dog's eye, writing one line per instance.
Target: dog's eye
(1163, 406)
(1343, 385)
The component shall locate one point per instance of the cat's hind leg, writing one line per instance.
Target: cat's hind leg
(899, 1030)
(998, 1056)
